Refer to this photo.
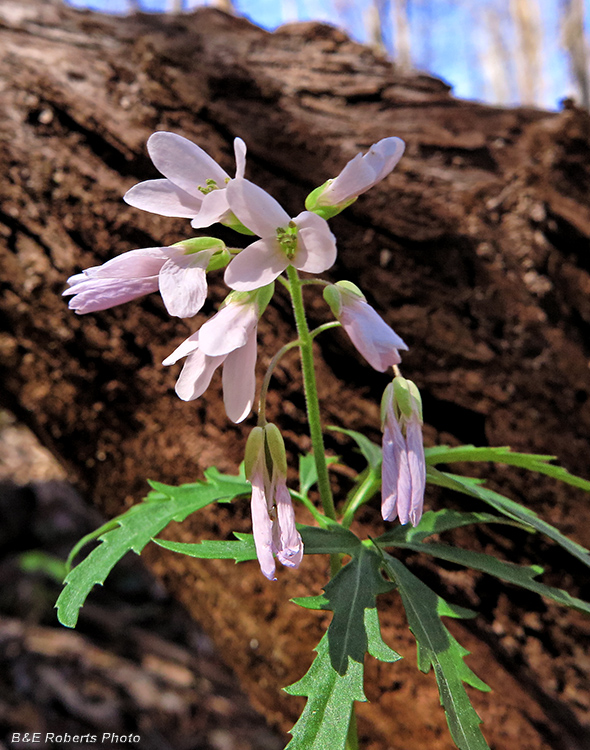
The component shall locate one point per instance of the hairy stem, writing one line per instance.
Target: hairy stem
(311, 393)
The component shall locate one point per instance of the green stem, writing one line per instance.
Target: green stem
(365, 492)
(352, 739)
(324, 327)
(266, 382)
(311, 394)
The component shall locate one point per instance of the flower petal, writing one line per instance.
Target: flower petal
(362, 172)
(355, 178)
(183, 162)
(417, 466)
(262, 527)
(290, 547)
(370, 334)
(134, 264)
(187, 347)
(383, 156)
(93, 295)
(389, 476)
(404, 488)
(196, 375)
(240, 152)
(256, 266)
(214, 208)
(228, 329)
(164, 198)
(255, 208)
(239, 380)
(183, 289)
(316, 245)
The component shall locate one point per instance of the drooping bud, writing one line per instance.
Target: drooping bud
(370, 334)
(273, 519)
(404, 466)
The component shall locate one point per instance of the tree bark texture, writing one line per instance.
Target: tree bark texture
(476, 250)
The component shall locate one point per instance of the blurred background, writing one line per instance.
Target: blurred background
(506, 52)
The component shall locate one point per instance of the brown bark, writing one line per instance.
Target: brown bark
(475, 250)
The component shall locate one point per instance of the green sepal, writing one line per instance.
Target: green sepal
(326, 212)
(234, 223)
(348, 286)
(198, 244)
(403, 396)
(219, 260)
(386, 400)
(254, 447)
(276, 448)
(333, 297)
(264, 296)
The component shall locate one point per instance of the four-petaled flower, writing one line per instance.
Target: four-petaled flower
(373, 338)
(273, 519)
(228, 339)
(179, 272)
(358, 176)
(404, 467)
(305, 242)
(194, 186)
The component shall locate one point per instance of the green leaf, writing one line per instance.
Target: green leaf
(332, 539)
(353, 590)
(335, 679)
(443, 454)
(371, 451)
(240, 551)
(519, 575)
(308, 473)
(134, 529)
(435, 522)
(323, 725)
(438, 649)
(510, 508)
(37, 561)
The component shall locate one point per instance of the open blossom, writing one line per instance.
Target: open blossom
(358, 176)
(273, 519)
(373, 338)
(404, 467)
(305, 242)
(194, 186)
(178, 272)
(228, 339)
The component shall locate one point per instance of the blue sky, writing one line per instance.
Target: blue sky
(448, 36)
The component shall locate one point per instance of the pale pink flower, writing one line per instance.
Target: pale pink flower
(305, 242)
(228, 339)
(178, 272)
(273, 518)
(404, 467)
(373, 338)
(194, 186)
(358, 176)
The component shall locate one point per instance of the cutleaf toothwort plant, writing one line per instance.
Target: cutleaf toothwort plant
(196, 188)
